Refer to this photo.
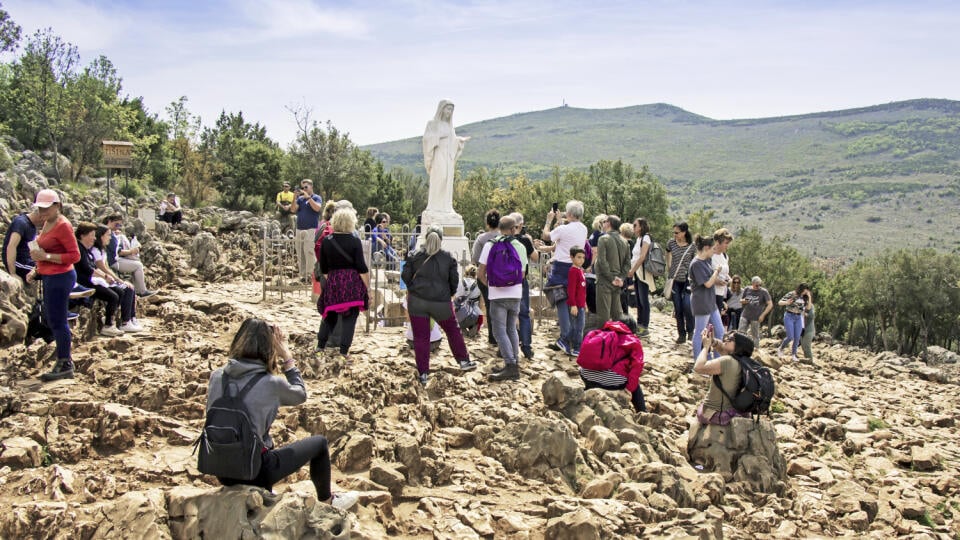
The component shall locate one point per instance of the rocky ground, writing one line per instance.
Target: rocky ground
(866, 443)
(858, 444)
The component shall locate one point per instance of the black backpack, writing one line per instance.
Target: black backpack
(756, 389)
(230, 446)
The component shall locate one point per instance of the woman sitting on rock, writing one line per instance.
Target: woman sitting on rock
(112, 291)
(347, 279)
(432, 278)
(258, 348)
(717, 409)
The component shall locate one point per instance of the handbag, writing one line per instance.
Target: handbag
(555, 294)
(668, 285)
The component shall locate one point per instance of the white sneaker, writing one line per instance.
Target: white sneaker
(110, 330)
(344, 501)
(131, 326)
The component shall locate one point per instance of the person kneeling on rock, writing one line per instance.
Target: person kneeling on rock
(733, 344)
(255, 355)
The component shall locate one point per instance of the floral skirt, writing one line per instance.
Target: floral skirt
(344, 290)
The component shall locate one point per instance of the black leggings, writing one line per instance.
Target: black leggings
(348, 322)
(279, 464)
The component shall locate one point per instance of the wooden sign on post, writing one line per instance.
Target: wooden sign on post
(117, 155)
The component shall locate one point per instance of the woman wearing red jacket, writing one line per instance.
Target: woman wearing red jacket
(613, 368)
(55, 251)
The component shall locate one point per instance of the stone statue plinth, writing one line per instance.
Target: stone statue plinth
(454, 239)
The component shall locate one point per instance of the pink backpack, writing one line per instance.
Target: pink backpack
(603, 348)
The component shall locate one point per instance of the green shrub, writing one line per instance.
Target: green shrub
(6, 163)
(131, 190)
(778, 407)
(874, 424)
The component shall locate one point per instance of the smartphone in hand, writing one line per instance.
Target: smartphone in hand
(556, 207)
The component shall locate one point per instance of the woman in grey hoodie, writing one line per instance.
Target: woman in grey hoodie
(258, 348)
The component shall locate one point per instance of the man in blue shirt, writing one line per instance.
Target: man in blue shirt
(16, 252)
(307, 206)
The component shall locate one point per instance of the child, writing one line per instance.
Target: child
(576, 299)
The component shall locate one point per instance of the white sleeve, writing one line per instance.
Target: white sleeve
(485, 253)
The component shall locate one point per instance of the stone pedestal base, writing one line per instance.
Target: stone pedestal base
(454, 239)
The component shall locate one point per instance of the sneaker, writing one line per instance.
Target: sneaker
(643, 332)
(795, 359)
(79, 291)
(680, 340)
(110, 331)
(344, 501)
(146, 294)
(467, 365)
(779, 354)
(561, 346)
(576, 352)
(131, 326)
(527, 352)
(509, 372)
(71, 316)
(423, 378)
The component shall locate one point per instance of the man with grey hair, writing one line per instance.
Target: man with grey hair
(526, 327)
(571, 234)
(611, 267)
(757, 304)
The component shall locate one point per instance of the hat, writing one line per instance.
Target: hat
(756, 280)
(46, 197)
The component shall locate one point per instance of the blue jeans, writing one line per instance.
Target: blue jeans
(558, 276)
(642, 290)
(681, 308)
(575, 337)
(56, 297)
(793, 323)
(700, 324)
(526, 328)
(504, 313)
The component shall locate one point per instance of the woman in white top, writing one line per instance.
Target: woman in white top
(571, 234)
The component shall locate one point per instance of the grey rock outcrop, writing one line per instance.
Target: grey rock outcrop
(744, 451)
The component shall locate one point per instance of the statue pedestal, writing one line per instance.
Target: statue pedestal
(454, 239)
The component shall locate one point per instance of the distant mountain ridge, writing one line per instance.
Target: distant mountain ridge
(817, 178)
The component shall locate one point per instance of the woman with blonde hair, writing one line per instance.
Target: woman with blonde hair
(261, 371)
(432, 278)
(346, 280)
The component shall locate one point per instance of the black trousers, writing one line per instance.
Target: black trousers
(348, 323)
(281, 463)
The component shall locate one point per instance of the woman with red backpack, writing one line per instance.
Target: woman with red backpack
(611, 358)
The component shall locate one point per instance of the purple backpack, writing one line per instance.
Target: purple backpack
(504, 268)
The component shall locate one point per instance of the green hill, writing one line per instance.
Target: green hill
(837, 183)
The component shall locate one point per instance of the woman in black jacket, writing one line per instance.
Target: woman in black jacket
(431, 277)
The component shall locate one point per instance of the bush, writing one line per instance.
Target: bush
(130, 189)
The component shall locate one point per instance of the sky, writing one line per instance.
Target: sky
(377, 69)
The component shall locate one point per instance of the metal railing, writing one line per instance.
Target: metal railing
(385, 262)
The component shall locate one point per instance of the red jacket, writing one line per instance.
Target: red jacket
(61, 241)
(624, 358)
(576, 288)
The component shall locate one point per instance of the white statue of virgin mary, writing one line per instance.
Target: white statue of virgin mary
(441, 149)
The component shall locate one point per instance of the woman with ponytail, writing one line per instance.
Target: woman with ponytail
(432, 277)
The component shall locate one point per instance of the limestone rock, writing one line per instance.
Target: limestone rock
(559, 390)
(205, 254)
(577, 525)
(531, 446)
(353, 452)
(144, 512)
(600, 440)
(249, 512)
(20, 452)
(743, 451)
(924, 458)
(388, 476)
(935, 355)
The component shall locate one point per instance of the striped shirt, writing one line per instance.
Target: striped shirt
(682, 256)
(603, 378)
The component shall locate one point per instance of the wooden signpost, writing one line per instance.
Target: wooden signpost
(117, 155)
